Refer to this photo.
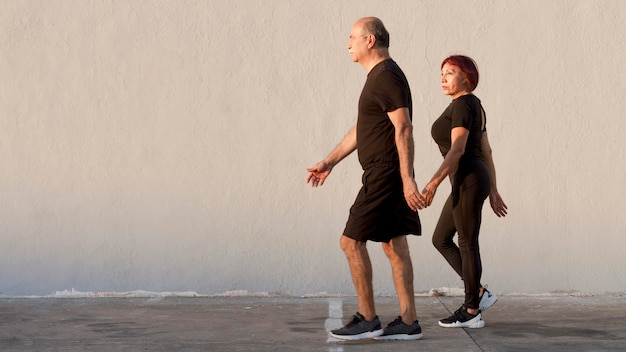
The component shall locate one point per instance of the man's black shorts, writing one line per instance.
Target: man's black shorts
(380, 211)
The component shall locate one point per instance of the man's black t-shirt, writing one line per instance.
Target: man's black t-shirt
(386, 89)
(380, 211)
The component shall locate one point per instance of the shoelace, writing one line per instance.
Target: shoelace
(459, 312)
(355, 320)
(398, 321)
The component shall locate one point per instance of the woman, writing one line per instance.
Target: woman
(461, 135)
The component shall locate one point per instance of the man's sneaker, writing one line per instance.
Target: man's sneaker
(398, 330)
(463, 319)
(358, 328)
(487, 300)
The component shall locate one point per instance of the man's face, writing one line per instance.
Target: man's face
(358, 44)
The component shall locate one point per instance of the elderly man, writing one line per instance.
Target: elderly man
(385, 210)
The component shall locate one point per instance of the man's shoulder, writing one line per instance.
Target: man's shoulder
(388, 65)
(387, 70)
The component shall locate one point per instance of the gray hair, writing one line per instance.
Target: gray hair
(376, 27)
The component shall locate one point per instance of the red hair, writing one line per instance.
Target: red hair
(467, 66)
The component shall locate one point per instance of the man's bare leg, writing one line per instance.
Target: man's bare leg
(397, 250)
(361, 270)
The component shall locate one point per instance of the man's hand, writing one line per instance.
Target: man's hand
(413, 197)
(318, 173)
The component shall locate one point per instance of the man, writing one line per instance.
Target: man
(385, 209)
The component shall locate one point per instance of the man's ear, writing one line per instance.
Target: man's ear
(371, 41)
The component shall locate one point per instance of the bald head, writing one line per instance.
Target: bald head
(375, 27)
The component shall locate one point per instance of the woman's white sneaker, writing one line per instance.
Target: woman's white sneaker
(487, 300)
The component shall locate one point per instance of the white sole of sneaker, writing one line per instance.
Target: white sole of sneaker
(363, 336)
(475, 323)
(403, 337)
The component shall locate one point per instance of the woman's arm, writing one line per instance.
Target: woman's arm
(497, 204)
(450, 163)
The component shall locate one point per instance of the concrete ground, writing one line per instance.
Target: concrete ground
(514, 323)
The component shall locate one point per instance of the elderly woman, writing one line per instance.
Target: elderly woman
(461, 134)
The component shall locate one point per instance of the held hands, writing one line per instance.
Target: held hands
(413, 197)
(429, 193)
(318, 173)
(497, 204)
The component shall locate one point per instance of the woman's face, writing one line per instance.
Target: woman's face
(453, 82)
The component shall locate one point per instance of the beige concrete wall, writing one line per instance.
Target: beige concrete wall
(162, 145)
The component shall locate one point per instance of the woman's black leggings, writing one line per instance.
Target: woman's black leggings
(462, 214)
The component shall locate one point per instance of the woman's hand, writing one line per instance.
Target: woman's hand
(497, 204)
(429, 193)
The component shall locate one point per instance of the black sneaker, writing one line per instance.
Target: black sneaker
(398, 330)
(358, 328)
(463, 319)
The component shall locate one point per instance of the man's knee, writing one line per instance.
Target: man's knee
(398, 247)
(349, 245)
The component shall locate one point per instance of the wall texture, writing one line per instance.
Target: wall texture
(162, 145)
